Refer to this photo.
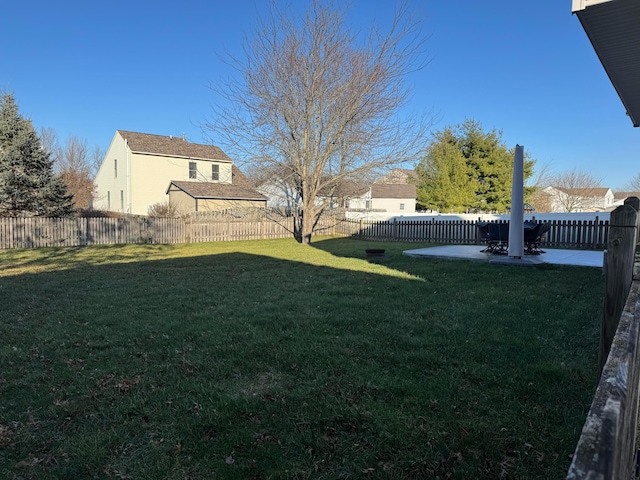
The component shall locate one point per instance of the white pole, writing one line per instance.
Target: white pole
(516, 220)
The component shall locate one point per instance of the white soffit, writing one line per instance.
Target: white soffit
(613, 28)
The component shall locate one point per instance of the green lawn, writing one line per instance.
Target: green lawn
(270, 359)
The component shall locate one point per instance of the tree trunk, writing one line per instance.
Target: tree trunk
(308, 220)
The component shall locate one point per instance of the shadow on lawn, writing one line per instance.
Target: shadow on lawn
(351, 248)
(52, 258)
(248, 366)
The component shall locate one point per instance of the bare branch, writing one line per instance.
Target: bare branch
(322, 101)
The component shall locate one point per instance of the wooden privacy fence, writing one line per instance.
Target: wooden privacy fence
(562, 233)
(59, 232)
(607, 447)
(54, 232)
(37, 232)
(229, 229)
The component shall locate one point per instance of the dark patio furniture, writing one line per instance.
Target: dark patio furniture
(533, 237)
(483, 231)
(496, 235)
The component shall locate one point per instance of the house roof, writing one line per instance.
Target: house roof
(393, 190)
(240, 188)
(209, 190)
(613, 28)
(625, 195)
(171, 146)
(585, 192)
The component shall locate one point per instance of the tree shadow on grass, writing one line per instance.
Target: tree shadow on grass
(250, 366)
(53, 258)
(353, 248)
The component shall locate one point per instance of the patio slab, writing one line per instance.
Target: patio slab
(582, 258)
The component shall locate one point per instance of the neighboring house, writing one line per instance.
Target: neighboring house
(579, 199)
(279, 193)
(620, 197)
(387, 197)
(138, 168)
(390, 193)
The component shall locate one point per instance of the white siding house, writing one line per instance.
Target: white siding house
(579, 199)
(398, 198)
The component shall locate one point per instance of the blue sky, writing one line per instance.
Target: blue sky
(526, 68)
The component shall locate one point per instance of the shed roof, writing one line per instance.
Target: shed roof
(208, 190)
(613, 28)
(240, 188)
(171, 146)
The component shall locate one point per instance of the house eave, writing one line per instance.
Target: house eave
(156, 154)
(613, 28)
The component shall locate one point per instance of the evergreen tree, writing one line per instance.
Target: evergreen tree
(467, 168)
(28, 186)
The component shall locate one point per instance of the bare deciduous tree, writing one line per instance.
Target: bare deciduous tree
(578, 190)
(541, 178)
(75, 164)
(633, 185)
(320, 101)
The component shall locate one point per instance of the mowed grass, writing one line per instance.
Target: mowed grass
(270, 359)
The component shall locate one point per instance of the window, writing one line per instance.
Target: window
(108, 200)
(122, 200)
(402, 206)
(367, 204)
(193, 171)
(115, 168)
(215, 172)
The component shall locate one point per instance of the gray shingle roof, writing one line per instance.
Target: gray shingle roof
(172, 146)
(226, 191)
(393, 190)
(625, 195)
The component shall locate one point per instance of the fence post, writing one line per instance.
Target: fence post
(618, 272)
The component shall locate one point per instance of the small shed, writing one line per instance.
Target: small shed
(211, 197)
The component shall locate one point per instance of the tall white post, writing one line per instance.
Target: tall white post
(516, 219)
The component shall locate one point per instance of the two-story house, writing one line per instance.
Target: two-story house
(141, 169)
(594, 199)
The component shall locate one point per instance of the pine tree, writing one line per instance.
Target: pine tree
(466, 168)
(28, 186)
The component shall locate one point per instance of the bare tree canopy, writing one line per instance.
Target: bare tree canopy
(633, 185)
(575, 190)
(321, 102)
(75, 163)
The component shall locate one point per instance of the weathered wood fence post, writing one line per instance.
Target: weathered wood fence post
(619, 259)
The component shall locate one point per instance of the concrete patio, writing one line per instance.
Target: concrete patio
(582, 258)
